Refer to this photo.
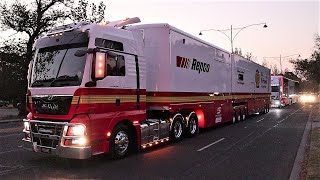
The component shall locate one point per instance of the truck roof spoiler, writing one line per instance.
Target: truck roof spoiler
(73, 26)
(66, 28)
(121, 23)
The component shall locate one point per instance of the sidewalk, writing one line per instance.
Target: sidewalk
(313, 159)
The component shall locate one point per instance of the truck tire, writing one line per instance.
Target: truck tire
(193, 128)
(176, 129)
(238, 117)
(243, 114)
(265, 111)
(234, 120)
(120, 142)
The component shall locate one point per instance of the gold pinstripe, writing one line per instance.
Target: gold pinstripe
(96, 99)
(201, 98)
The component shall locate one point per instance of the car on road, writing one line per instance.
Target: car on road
(307, 98)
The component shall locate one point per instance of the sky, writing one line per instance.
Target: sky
(292, 25)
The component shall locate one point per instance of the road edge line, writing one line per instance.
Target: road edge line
(297, 166)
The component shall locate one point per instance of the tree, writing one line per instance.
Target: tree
(31, 20)
(237, 51)
(35, 18)
(250, 57)
(309, 68)
(275, 70)
(265, 63)
(11, 76)
(92, 13)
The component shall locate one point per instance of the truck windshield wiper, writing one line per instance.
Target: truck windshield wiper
(64, 78)
(39, 83)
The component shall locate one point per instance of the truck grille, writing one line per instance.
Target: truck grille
(46, 134)
(53, 105)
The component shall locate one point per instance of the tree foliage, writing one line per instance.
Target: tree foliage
(309, 69)
(248, 55)
(88, 12)
(33, 19)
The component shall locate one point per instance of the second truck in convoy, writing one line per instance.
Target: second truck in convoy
(283, 91)
(110, 88)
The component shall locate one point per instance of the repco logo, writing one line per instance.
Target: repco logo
(195, 65)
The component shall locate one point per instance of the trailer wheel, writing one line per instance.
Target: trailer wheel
(193, 128)
(120, 142)
(243, 115)
(176, 129)
(239, 115)
(234, 117)
(265, 111)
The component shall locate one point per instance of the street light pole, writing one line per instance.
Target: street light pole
(231, 40)
(280, 64)
(282, 58)
(231, 37)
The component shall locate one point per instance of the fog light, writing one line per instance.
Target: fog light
(79, 141)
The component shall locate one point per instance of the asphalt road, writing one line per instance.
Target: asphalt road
(261, 147)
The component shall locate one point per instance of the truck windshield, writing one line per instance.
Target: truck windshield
(58, 66)
(275, 89)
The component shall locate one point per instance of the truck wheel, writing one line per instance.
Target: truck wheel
(234, 117)
(120, 142)
(243, 115)
(176, 129)
(265, 111)
(239, 115)
(193, 128)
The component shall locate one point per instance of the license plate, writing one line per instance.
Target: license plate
(45, 150)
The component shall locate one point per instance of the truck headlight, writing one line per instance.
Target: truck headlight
(277, 102)
(76, 130)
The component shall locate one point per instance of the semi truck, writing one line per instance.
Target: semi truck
(283, 91)
(120, 86)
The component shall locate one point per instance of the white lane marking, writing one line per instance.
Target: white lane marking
(199, 150)
(260, 120)
(5, 136)
(276, 125)
(287, 117)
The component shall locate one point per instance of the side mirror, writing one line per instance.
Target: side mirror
(80, 53)
(100, 70)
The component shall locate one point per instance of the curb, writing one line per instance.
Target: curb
(296, 169)
(10, 120)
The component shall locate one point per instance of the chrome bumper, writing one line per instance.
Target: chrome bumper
(58, 150)
(73, 153)
(64, 152)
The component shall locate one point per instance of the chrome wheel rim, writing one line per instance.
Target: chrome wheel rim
(192, 125)
(121, 142)
(243, 117)
(239, 118)
(233, 118)
(177, 129)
